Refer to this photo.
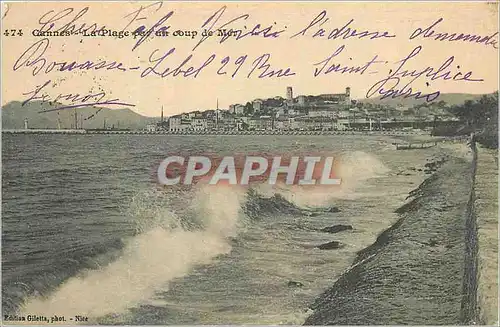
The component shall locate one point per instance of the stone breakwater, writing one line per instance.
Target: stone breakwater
(423, 269)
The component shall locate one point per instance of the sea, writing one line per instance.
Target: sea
(87, 230)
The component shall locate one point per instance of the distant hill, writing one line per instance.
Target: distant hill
(449, 98)
(13, 115)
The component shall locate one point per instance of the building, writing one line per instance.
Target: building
(228, 123)
(211, 125)
(293, 112)
(193, 114)
(210, 117)
(239, 109)
(280, 111)
(261, 123)
(244, 119)
(339, 125)
(151, 127)
(314, 123)
(344, 117)
(301, 100)
(174, 123)
(266, 122)
(209, 114)
(322, 112)
(282, 123)
(162, 125)
(254, 124)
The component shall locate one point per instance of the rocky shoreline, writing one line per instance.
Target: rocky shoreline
(419, 270)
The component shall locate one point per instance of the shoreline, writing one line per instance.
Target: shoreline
(417, 270)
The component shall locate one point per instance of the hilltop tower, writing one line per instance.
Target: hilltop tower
(25, 123)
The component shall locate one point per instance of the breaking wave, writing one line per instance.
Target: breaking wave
(180, 228)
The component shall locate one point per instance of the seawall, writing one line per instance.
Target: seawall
(470, 305)
(423, 269)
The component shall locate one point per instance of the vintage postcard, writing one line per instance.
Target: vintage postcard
(236, 163)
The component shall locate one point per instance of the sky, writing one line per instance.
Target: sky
(302, 54)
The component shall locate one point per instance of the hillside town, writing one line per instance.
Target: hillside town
(324, 112)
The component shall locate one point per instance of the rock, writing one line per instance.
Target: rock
(336, 228)
(292, 283)
(330, 245)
